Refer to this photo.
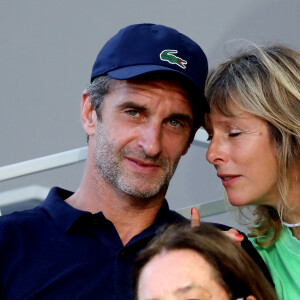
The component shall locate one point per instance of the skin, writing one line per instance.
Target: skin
(242, 148)
(293, 214)
(178, 275)
(133, 152)
(244, 156)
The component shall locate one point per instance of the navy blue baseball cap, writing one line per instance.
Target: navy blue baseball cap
(141, 49)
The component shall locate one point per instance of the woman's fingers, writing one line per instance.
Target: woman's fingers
(234, 235)
(195, 217)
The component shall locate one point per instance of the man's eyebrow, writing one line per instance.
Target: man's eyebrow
(182, 117)
(131, 104)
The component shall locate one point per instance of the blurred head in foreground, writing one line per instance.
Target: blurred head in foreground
(197, 263)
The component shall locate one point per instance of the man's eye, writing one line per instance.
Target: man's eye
(132, 112)
(175, 123)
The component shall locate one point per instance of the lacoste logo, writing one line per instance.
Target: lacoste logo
(168, 55)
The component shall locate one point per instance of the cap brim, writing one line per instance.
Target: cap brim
(130, 72)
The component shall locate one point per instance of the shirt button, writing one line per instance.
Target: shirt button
(122, 253)
(95, 221)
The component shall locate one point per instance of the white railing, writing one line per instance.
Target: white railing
(43, 163)
(71, 157)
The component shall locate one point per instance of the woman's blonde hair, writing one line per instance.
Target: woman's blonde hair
(264, 81)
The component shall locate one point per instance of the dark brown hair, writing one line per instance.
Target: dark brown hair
(234, 270)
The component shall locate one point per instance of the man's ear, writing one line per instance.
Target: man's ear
(187, 147)
(88, 115)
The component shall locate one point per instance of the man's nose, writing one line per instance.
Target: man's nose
(151, 139)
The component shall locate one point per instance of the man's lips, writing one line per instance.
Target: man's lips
(142, 165)
(228, 179)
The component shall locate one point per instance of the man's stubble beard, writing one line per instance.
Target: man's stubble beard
(109, 166)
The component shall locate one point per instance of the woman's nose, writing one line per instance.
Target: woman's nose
(216, 153)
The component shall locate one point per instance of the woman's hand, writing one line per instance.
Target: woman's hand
(195, 217)
(232, 233)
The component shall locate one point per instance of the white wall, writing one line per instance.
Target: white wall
(47, 49)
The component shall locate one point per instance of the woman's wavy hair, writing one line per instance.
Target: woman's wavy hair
(264, 81)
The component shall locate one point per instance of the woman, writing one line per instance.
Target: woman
(254, 128)
(197, 263)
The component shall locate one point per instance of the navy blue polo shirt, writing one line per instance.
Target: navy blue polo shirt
(55, 251)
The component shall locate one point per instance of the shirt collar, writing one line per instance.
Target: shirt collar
(63, 214)
(165, 216)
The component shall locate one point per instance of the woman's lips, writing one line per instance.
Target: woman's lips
(228, 179)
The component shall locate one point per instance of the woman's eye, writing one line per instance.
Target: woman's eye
(234, 134)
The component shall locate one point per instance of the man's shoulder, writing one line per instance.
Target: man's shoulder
(31, 218)
(19, 219)
(175, 216)
(37, 216)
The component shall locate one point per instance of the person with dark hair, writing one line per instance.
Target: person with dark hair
(254, 130)
(197, 263)
(140, 113)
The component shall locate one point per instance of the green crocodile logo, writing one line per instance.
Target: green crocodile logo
(168, 55)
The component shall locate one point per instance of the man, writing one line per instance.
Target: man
(140, 113)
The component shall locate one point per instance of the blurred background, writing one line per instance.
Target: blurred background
(47, 49)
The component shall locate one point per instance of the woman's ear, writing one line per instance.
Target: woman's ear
(88, 115)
